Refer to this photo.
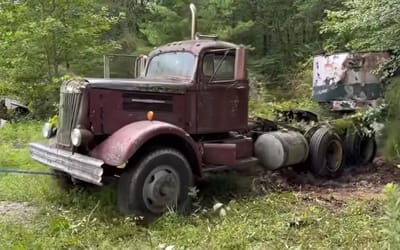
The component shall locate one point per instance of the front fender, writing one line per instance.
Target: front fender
(119, 147)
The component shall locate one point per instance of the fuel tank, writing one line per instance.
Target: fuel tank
(281, 148)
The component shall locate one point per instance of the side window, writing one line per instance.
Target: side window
(219, 66)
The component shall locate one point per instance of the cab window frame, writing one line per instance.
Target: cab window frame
(231, 52)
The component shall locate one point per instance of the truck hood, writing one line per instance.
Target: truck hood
(141, 84)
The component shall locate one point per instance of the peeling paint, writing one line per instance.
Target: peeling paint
(348, 76)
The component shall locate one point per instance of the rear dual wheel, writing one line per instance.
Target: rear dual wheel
(326, 153)
(361, 149)
(159, 181)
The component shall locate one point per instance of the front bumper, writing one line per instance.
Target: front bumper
(79, 166)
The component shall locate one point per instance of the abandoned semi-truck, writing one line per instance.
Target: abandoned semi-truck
(186, 115)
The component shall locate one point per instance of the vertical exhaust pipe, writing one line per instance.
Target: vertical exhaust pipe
(194, 21)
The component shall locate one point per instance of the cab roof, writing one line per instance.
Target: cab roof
(194, 46)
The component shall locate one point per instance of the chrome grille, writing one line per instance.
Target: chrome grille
(70, 101)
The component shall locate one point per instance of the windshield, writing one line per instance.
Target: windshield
(179, 64)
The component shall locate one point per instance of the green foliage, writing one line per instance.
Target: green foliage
(392, 120)
(268, 109)
(300, 83)
(361, 25)
(343, 125)
(43, 40)
(391, 219)
(54, 121)
(166, 25)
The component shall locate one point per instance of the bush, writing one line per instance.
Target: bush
(300, 84)
(41, 98)
(391, 131)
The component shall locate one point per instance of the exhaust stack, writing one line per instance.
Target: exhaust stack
(194, 21)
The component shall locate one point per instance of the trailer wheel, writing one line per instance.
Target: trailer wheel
(367, 149)
(361, 149)
(326, 153)
(156, 183)
(351, 142)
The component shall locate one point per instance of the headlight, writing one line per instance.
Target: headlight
(48, 130)
(76, 137)
(81, 137)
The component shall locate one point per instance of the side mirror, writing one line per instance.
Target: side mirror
(240, 64)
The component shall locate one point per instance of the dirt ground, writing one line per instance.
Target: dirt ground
(356, 183)
(16, 212)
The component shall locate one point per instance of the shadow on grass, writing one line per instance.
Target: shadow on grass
(212, 189)
(223, 187)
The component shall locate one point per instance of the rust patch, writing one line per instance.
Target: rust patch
(348, 76)
(118, 148)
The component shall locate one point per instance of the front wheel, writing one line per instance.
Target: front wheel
(159, 181)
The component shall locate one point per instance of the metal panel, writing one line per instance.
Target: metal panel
(348, 76)
(238, 165)
(142, 85)
(78, 166)
(219, 153)
(353, 105)
(244, 147)
(222, 107)
(118, 148)
(110, 110)
(145, 102)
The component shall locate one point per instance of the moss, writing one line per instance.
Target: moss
(343, 125)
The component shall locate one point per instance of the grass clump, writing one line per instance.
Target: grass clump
(391, 219)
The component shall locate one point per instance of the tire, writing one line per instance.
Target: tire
(326, 153)
(360, 149)
(351, 143)
(159, 181)
(368, 150)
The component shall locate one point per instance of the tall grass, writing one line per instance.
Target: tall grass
(88, 218)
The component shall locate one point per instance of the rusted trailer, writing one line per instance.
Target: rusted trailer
(348, 81)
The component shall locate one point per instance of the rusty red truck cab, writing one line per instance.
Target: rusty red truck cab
(190, 106)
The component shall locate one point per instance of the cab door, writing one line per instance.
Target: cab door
(222, 100)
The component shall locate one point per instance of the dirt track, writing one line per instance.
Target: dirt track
(356, 183)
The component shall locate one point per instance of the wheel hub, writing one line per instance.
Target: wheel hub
(161, 189)
(334, 156)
